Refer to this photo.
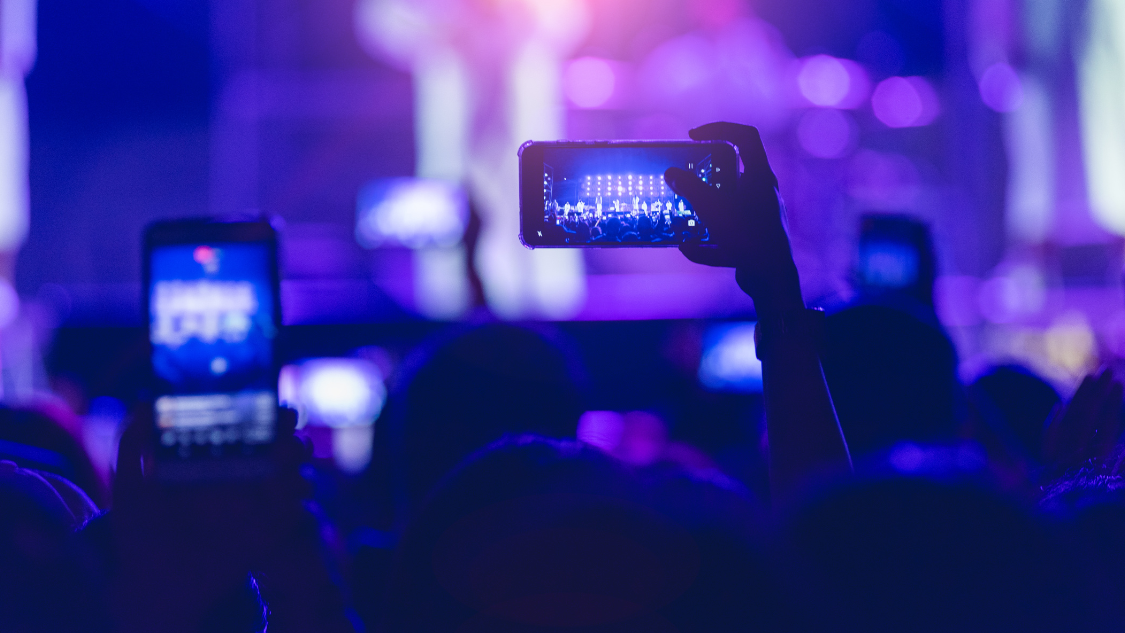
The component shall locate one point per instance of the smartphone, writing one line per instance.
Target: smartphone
(213, 314)
(411, 212)
(895, 255)
(613, 194)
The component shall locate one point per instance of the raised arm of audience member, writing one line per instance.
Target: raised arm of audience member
(748, 234)
(1087, 427)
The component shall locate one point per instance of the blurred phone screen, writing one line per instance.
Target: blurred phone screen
(212, 326)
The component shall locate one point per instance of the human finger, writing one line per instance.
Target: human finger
(705, 200)
(689, 186)
(745, 138)
(134, 456)
(286, 421)
(292, 450)
(132, 446)
(707, 255)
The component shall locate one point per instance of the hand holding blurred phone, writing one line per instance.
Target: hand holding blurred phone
(613, 193)
(213, 311)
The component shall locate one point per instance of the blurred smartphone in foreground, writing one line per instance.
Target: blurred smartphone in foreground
(613, 194)
(213, 312)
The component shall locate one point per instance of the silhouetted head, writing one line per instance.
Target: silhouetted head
(1016, 404)
(33, 439)
(546, 535)
(472, 389)
(44, 583)
(913, 554)
(893, 378)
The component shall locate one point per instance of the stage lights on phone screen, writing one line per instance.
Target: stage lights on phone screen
(613, 193)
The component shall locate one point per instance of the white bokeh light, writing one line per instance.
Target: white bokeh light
(824, 81)
(340, 392)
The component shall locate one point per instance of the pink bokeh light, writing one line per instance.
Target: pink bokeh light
(823, 80)
(715, 14)
(741, 72)
(589, 82)
(830, 82)
(900, 102)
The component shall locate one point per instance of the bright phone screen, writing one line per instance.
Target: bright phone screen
(616, 196)
(212, 327)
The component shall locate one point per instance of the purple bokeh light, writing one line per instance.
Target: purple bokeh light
(823, 80)
(589, 82)
(830, 82)
(1001, 88)
(679, 67)
(905, 102)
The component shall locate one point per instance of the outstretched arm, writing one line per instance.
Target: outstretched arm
(1087, 427)
(748, 234)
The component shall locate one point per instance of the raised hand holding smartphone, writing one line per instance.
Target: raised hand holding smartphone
(208, 487)
(747, 221)
(213, 309)
(748, 233)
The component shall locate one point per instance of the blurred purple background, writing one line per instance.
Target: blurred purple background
(995, 121)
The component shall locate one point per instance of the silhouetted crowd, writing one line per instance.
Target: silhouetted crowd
(586, 227)
(899, 498)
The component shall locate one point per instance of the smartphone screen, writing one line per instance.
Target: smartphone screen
(213, 324)
(612, 193)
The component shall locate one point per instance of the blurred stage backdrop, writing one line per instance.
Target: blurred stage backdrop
(383, 133)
